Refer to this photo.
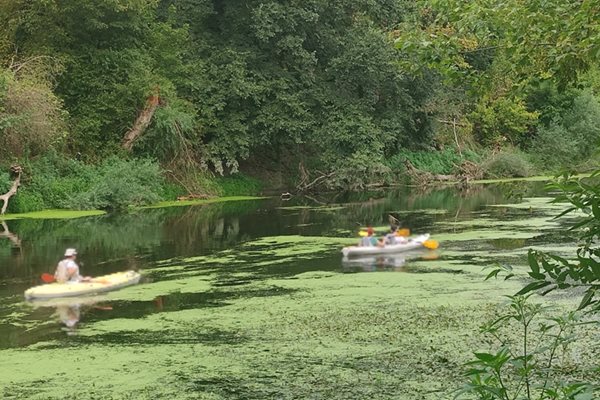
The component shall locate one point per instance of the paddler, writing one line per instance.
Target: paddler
(391, 237)
(67, 270)
(370, 240)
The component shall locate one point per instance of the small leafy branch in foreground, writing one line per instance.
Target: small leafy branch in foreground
(536, 364)
(532, 364)
(551, 272)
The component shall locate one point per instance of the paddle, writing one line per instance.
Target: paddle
(400, 232)
(49, 278)
(403, 232)
(431, 244)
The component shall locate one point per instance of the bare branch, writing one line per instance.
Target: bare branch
(13, 190)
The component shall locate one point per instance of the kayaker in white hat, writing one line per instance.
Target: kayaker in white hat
(67, 270)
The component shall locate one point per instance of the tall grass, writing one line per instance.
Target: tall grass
(437, 162)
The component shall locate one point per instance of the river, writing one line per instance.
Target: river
(252, 299)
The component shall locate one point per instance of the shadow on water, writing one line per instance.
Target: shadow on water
(217, 243)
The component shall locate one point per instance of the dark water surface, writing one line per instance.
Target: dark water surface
(143, 239)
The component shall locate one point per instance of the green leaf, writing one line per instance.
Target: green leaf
(596, 209)
(486, 357)
(587, 299)
(533, 263)
(585, 396)
(533, 286)
(493, 274)
(537, 276)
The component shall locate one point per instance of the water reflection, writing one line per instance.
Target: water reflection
(6, 233)
(69, 311)
(69, 315)
(386, 262)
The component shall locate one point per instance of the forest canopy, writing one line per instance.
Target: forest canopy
(345, 90)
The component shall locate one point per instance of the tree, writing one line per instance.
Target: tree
(494, 49)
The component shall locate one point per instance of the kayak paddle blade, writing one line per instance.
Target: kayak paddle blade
(403, 232)
(431, 244)
(363, 233)
(48, 278)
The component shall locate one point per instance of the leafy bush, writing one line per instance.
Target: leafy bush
(571, 139)
(4, 182)
(26, 200)
(538, 362)
(554, 148)
(238, 184)
(57, 181)
(504, 119)
(171, 191)
(121, 183)
(533, 364)
(583, 122)
(31, 115)
(508, 163)
(436, 162)
(357, 172)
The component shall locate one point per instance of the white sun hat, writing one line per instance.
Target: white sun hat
(70, 252)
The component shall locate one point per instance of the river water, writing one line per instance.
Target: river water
(210, 259)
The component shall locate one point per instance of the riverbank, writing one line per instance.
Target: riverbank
(71, 214)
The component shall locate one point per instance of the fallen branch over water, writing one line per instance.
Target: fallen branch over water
(465, 172)
(15, 169)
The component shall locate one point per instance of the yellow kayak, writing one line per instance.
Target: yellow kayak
(99, 284)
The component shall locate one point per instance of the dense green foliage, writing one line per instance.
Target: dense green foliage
(237, 184)
(511, 73)
(57, 182)
(439, 162)
(511, 163)
(231, 76)
(346, 90)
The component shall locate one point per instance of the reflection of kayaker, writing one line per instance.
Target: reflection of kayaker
(369, 263)
(69, 315)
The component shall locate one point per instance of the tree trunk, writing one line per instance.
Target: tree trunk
(141, 123)
(13, 190)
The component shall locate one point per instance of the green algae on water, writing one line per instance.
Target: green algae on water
(276, 317)
(182, 203)
(53, 214)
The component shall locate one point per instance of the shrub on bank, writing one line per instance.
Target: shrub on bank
(238, 185)
(120, 183)
(442, 162)
(57, 181)
(508, 163)
(571, 139)
(554, 148)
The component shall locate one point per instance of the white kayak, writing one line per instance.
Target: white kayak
(99, 284)
(412, 243)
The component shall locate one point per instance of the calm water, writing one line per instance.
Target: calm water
(140, 240)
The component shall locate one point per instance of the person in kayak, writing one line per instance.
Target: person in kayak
(67, 270)
(370, 240)
(391, 238)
